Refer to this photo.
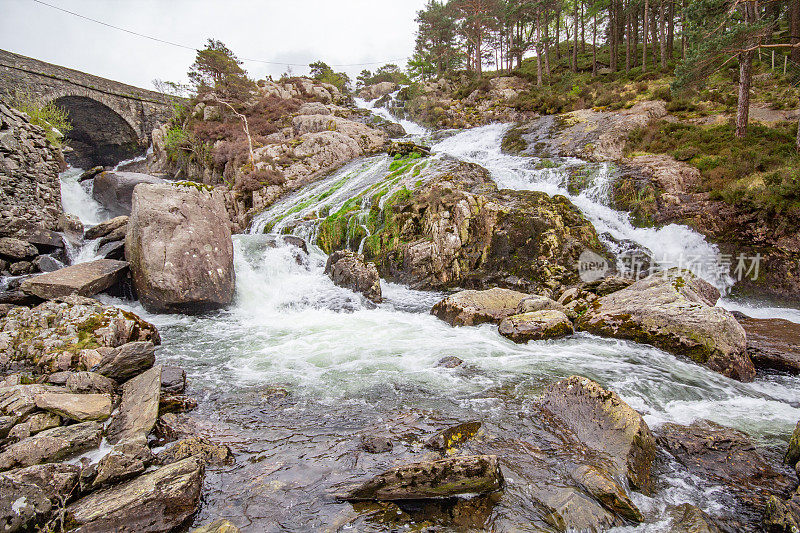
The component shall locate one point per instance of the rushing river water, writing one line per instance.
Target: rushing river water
(298, 369)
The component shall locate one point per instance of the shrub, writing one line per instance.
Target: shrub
(53, 119)
(257, 179)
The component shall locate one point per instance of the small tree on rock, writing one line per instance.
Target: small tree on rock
(217, 68)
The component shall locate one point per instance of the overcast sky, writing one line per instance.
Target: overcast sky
(280, 31)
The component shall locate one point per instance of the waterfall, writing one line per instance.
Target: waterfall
(77, 200)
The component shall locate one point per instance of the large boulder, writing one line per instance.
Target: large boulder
(607, 425)
(180, 249)
(470, 308)
(772, 343)
(535, 326)
(454, 476)
(114, 190)
(15, 249)
(674, 311)
(158, 501)
(349, 270)
(83, 279)
(792, 457)
(455, 229)
(727, 457)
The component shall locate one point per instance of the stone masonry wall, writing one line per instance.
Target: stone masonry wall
(30, 190)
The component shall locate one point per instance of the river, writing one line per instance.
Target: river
(297, 369)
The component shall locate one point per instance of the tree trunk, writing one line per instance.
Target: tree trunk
(612, 35)
(547, 45)
(538, 50)
(575, 48)
(794, 28)
(671, 29)
(662, 33)
(745, 77)
(644, 34)
(654, 33)
(594, 46)
(583, 28)
(628, 31)
(558, 35)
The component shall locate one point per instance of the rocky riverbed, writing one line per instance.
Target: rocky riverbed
(327, 371)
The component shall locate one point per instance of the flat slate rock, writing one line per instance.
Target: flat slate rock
(52, 445)
(158, 501)
(85, 279)
(138, 410)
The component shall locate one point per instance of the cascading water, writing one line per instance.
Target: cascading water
(298, 368)
(412, 128)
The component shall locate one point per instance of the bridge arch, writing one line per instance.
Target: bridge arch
(102, 133)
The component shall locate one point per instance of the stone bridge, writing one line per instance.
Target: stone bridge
(111, 121)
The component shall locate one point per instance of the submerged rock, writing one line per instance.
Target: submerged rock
(470, 308)
(607, 425)
(535, 326)
(727, 457)
(478, 474)
(218, 526)
(349, 270)
(155, 502)
(180, 249)
(376, 443)
(674, 311)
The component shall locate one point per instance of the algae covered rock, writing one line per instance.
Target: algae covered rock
(535, 326)
(457, 230)
(478, 474)
(674, 311)
(470, 308)
(51, 336)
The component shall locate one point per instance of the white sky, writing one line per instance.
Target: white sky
(282, 31)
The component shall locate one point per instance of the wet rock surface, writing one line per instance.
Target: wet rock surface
(674, 311)
(606, 424)
(51, 445)
(728, 457)
(537, 325)
(436, 479)
(350, 270)
(772, 344)
(471, 308)
(457, 230)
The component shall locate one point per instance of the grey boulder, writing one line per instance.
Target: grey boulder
(114, 190)
(180, 249)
